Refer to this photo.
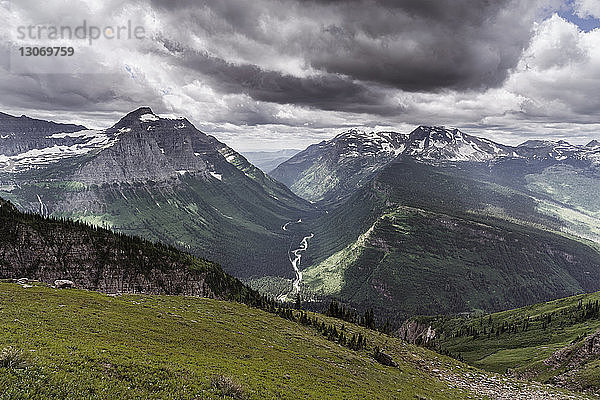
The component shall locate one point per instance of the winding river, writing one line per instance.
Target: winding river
(295, 261)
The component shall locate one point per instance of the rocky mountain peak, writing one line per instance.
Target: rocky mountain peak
(369, 143)
(137, 118)
(435, 133)
(439, 143)
(538, 143)
(593, 143)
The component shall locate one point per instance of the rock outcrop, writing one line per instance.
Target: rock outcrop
(62, 252)
(416, 332)
(572, 359)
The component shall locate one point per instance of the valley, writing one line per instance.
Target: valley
(396, 225)
(391, 215)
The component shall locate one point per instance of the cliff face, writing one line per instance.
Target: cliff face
(43, 249)
(21, 134)
(416, 332)
(150, 148)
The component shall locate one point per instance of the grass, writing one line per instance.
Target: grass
(86, 345)
(523, 349)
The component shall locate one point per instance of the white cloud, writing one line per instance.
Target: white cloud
(587, 8)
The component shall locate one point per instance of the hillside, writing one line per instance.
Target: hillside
(553, 342)
(44, 249)
(164, 180)
(416, 225)
(81, 344)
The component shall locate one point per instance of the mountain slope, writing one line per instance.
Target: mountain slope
(88, 345)
(163, 179)
(553, 342)
(332, 169)
(45, 249)
(416, 225)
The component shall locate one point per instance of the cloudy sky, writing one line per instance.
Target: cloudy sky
(271, 74)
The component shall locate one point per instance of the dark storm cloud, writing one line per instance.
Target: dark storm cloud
(412, 45)
(325, 92)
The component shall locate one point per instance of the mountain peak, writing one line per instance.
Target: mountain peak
(593, 143)
(537, 143)
(353, 132)
(140, 111)
(435, 134)
(136, 117)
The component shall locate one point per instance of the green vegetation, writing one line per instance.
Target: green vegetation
(95, 258)
(418, 262)
(88, 345)
(522, 339)
(423, 239)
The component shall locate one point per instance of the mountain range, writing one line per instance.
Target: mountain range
(333, 169)
(158, 178)
(376, 220)
(436, 230)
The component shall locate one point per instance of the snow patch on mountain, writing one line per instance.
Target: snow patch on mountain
(216, 175)
(149, 117)
(41, 157)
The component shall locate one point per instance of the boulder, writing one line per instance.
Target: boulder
(63, 284)
(384, 358)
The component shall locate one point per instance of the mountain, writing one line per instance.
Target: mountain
(442, 144)
(427, 239)
(500, 226)
(267, 161)
(554, 342)
(558, 151)
(332, 169)
(81, 344)
(593, 143)
(166, 181)
(22, 138)
(35, 247)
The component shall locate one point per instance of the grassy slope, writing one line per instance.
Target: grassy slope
(88, 345)
(523, 350)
